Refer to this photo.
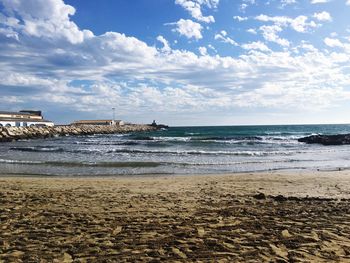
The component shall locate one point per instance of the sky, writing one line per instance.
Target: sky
(180, 62)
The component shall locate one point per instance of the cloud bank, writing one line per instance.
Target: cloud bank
(47, 59)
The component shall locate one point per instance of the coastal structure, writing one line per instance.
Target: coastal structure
(159, 126)
(99, 122)
(23, 118)
(8, 134)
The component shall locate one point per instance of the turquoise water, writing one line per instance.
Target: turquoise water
(178, 150)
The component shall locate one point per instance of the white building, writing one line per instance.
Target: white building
(23, 118)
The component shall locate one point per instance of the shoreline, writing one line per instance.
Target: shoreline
(278, 178)
(286, 171)
(263, 217)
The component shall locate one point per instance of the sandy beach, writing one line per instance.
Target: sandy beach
(263, 217)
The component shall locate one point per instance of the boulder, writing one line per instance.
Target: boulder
(339, 139)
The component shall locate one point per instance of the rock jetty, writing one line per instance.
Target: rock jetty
(16, 133)
(339, 139)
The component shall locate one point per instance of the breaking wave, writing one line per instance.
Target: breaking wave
(38, 149)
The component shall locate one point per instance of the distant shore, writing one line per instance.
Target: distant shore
(278, 216)
(16, 133)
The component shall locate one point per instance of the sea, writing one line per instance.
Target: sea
(177, 151)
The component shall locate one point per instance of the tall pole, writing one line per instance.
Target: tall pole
(113, 121)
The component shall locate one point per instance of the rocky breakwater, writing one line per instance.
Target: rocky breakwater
(339, 139)
(16, 133)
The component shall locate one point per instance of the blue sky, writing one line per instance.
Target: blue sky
(181, 62)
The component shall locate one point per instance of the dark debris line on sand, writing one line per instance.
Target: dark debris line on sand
(81, 225)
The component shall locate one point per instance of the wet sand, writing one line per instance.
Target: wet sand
(267, 217)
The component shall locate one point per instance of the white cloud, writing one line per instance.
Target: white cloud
(252, 31)
(141, 80)
(323, 16)
(212, 48)
(270, 34)
(222, 36)
(347, 2)
(11, 100)
(188, 28)
(9, 33)
(340, 57)
(203, 51)
(319, 1)
(246, 4)
(288, 2)
(166, 47)
(299, 24)
(307, 46)
(256, 46)
(243, 7)
(49, 19)
(333, 42)
(194, 7)
(336, 43)
(240, 18)
(283, 20)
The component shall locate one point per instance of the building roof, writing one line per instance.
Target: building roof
(23, 120)
(34, 112)
(16, 113)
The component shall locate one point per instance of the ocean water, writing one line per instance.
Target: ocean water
(178, 150)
